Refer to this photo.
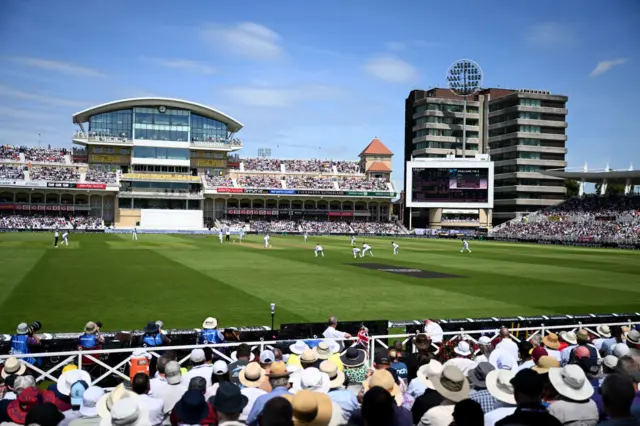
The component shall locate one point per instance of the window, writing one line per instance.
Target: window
(530, 142)
(112, 124)
(529, 155)
(419, 108)
(109, 150)
(208, 154)
(530, 102)
(161, 153)
(207, 129)
(529, 169)
(194, 154)
(218, 155)
(529, 115)
(530, 129)
(125, 151)
(97, 150)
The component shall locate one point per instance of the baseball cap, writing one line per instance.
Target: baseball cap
(90, 398)
(620, 350)
(382, 357)
(484, 340)
(172, 373)
(69, 367)
(197, 355)
(77, 392)
(610, 361)
(220, 367)
(267, 357)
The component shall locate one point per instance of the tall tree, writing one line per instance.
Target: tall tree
(573, 187)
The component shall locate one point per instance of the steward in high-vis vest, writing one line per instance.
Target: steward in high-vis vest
(91, 338)
(23, 341)
(210, 332)
(153, 336)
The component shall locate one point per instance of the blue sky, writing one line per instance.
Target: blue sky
(302, 75)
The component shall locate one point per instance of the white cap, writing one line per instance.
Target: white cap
(197, 355)
(267, 357)
(220, 367)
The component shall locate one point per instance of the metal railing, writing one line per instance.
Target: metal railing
(80, 358)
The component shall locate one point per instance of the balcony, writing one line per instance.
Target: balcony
(541, 202)
(445, 126)
(556, 164)
(218, 144)
(452, 139)
(522, 108)
(525, 135)
(434, 113)
(528, 148)
(523, 175)
(84, 138)
(159, 194)
(531, 188)
(528, 122)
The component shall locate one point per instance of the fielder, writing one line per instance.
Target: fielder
(266, 241)
(465, 246)
(241, 234)
(134, 234)
(356, 251)
(395, 247)
(366, 248)
(220, 235)
(319, 250)
(56, 235)
(353, 240)
(306, 236)
(65, 238)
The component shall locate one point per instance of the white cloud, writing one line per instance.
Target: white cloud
(43, 99)
(604, 66)
(280, 97)
(551, 35)
(395, 46)
(391, 69)
(184, 64)
(58, 66)
(246, 39)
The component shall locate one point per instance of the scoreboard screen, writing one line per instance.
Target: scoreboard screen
(450, 185)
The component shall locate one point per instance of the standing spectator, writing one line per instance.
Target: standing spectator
(507, 343)
(468, 413)
(617, 397)
(478, 379)
(574, 404)
(332, 331)
(229, 403)
(279, 380)
(171, 389)
(500, 387)
(453, 387)
(527, 388)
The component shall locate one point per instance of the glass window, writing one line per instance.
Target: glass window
(419, 108)
(218, 155)
(112, 124)
(530, 129)
(530, 102)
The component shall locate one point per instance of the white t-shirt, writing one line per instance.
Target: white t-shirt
(434, 331)
(252, 394)
(205, 371)
(155, 408)
(318, 248)
(509, 346)
(366, 246)
(169, 394)
(395, 245)
(332, 333)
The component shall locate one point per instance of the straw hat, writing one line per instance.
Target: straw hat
(384, 379)
(569, 337)
(13, 366)
(210, 323)
(278, 369)
(252, 375)
(452, 384)
(500, 387)
(336, 377)
(308, 356)
(310, 408)
(604, 330)
(91, 327)
(323, 351)
(545, 363)
(571, 382)
(106, 403)
(427, 372)
(551, 341)
(298, 347)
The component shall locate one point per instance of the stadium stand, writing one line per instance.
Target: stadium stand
(361, 184)
(9, 153)
(50, 222)
(262, 164)
(45, 155)
(296, 182)
(54, 174)
(100, 175)
(218, 181)
(259, 181)
(589, 218)
(11, 172)
(263, 226)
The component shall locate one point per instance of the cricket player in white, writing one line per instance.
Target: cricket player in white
(395, 247)
(356, 250)
(465, 246)
(266, 241)
(135, 234)
(353, 240)
(65, 238)
(220, 235)
(366, 248)
(241, 234)
(306, 236)
(319, 250)
(56, 235)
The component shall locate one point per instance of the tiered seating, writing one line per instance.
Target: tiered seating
(262, 164)
(308, 166)
(54, 174)
(274, 226)
(347, 166)
(296, 182)
(9, 153)
(44, 155)
(361, 184)
(11, 172)
(325, 227)
(376, 228)
(259, 181)
(218, 181)
(100, 175)
(49, 222)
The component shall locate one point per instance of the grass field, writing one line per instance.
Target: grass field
(183, 279)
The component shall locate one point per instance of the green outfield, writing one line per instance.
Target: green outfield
(183, 279)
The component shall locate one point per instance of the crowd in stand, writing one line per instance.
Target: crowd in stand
(308, 166)
(259, 181)
(263, 226)
(100, 175)
(232, 223)
(218, 181)
(360, 184)
(50, 222)
(55, 174)
(314, 226)
(311, 182)
(262, 164)
(8, 152)
(347, 166)
(376, 228)
(11, 172)
(580, 379)
(460, 218)
(590, 218)
(44, 155)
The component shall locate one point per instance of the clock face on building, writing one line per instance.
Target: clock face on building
(162, 109)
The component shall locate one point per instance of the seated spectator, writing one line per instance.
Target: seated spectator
(429, 397)
(618, 395)
(89, 407)
(100, 175)
(54, 174)
(552, 344)
(453, 387)
(575, 403)
(279, 380)
(468, 413)
(171, 388)
(218, 181)
(463, 359)
(11, 172)
(525, 349)
(153, 406)
(479, 393)
(499, 385)
(229, 403)
(44, 414)
(193, 409)
(251, 379)
(379, 408)
(347, 400)
(277, 412)
(354, 366)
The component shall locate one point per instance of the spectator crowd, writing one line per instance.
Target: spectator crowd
(100, 175)
(589, 218)
(218, 181)
(325, 227)
(54, 174)
(8, 152)
(311, 182)
(361, 184)
(575, 378)
(301, 166)
(259, 181)
(275, 226)
(376, 228)
(50, 222)
(44, 155)
(11, 172)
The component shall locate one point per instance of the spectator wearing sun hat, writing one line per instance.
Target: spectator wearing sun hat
(478, 380)
(193, 409)
(604, 335)
(89, 407)
(503, 360)
(463, 359)
(229, 404)
(568, 341)
(314, 408)
(296, 350)
(13, 366)
(633, 341)
(347, 400)
(582, 337)
(453, 386)
(243, 356)
(617, 336)
(500, 387)
(575, 403)
(91, 338)
(251, 378)
(429, 397)
(18, 409)
(329, 350)
(354, 367)
(485, 347)
(551, 343)
(45, 414)
(279, 380)
(311, 379)
(544, 363)
(210, 333)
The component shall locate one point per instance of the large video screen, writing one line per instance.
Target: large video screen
(450, 185)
